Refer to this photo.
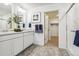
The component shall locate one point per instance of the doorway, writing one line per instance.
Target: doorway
(52, 28)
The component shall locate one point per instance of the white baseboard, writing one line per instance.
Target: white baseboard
(69, 52)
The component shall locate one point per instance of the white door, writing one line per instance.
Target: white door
(46, 29)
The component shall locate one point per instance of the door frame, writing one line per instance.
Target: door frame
(48, 26)
(44, 29)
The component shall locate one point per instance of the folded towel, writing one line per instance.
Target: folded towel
(76, 40)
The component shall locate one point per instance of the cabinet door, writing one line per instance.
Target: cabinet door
(6, 48)
(28, 39)
(18, 45)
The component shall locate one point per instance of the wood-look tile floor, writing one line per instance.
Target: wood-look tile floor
(54, 41)
(47, 50)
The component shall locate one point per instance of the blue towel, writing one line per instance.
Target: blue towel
(36, 28)
(39, 28)
(76, 40)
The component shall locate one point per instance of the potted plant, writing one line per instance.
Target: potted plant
(16, 19)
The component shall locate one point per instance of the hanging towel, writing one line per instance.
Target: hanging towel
(36, 28)
(76, 40)
(41, 28)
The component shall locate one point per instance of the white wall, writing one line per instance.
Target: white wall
(66, 30)
(72, 25)
(62, 29)
(39, 38)
(62, 33)
(54, 29)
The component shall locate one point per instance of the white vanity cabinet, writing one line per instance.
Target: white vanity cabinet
(18, 45)
(6, 48)
(28, 39)
(13, 44)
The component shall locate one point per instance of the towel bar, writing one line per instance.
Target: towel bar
(73, 31)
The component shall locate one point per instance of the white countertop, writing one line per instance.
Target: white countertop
(12, 32)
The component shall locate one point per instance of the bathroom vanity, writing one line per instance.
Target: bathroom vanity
(12, 43)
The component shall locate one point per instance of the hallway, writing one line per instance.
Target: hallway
(54, 41)
(48, 50)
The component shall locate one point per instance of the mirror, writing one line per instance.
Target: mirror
(5, 12)
(9, 15)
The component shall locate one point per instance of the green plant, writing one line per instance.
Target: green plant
(14, 18)
(9, 20)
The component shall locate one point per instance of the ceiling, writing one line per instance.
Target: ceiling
(5, 9)
(52, 14)
(36, 4)
(33, 5)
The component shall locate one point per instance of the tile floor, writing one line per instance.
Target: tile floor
(47, 50)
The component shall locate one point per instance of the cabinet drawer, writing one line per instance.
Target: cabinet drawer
(7, 37)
